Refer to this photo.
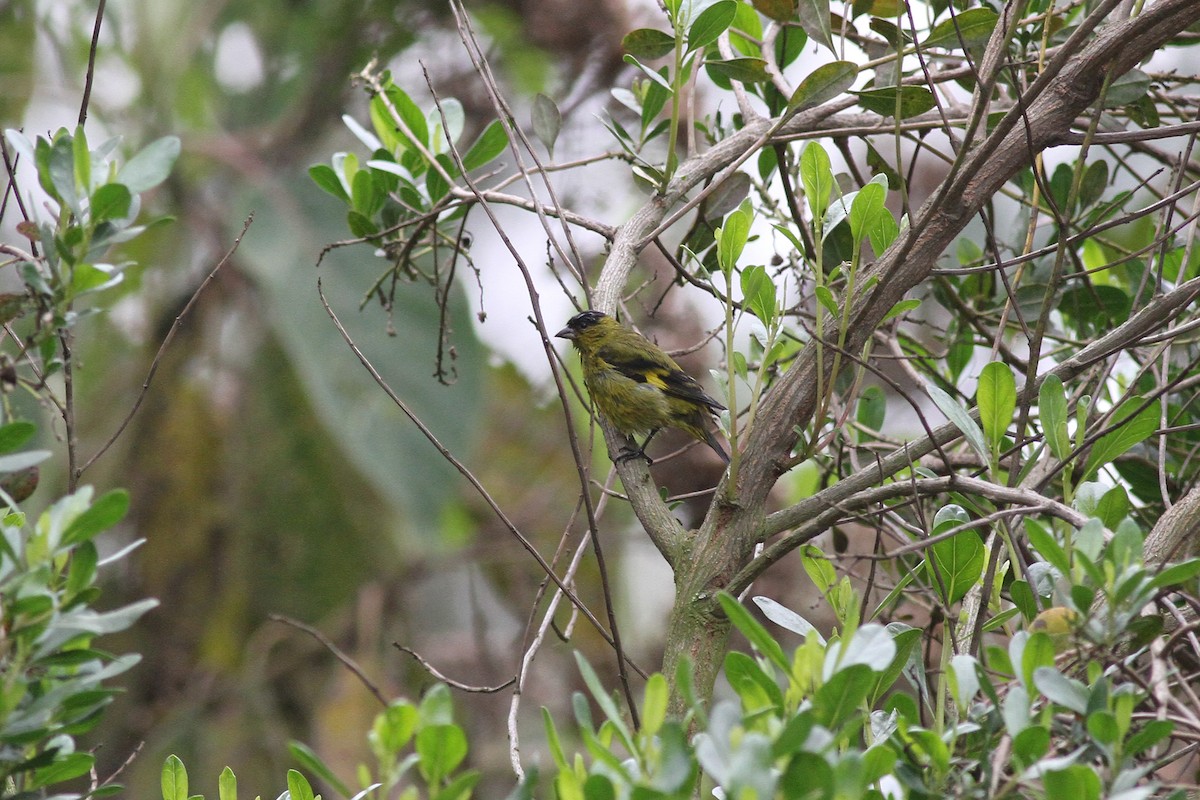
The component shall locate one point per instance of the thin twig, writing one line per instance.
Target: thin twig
(462, 687)
(91, 67)
(165, 343)
(98, 784)
(328, 644)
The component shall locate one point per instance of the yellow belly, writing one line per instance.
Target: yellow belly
(629, 406)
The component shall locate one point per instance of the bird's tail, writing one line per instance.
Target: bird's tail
(712, 442)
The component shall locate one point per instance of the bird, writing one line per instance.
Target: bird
(636, 386)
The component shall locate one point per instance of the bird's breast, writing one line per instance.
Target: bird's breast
(630, 406)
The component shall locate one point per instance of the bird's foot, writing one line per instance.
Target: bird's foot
(629, 453)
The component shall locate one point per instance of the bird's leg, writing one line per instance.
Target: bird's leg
(628, 452)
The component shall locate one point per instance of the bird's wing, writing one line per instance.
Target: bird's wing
(666, 376)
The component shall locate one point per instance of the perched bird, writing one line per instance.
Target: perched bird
(637, 387)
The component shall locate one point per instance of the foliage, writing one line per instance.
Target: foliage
(414, 745)
(1051, 335)
(856, 715)
(95, 202)
(53, 679)
(885, 214)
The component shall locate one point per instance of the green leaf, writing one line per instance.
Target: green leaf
(360, 225)
(657, 76)
(901, 308)
(817, 177)
(151, 165)
(648, 43)
(1058, 688)
(1176, 574)
(883, 231)
(1132, 427)
(731, 240)
(1095, 181)
(435, 184)
(778, 10)
(790, 42)
(410, 115)
(1102, 725)
(966, 29)
(655, 99)
(547, 121)
(959, 561)
(324, 176)
(367, 196)
(866, 206)
(227, 785)
(1150, 735)
(1129, 88)
(65, 768)
(843, 694)
(459, 788)
(727, 196)
(823, 84)
(597, 787)
(81, 573)
(814, 18)
(1023, 599)
(436, 708)
(745, 70)
(872, 406)
(174, 779)
(490, 144)
(298, 786)
(712, 22)
(997, 399)
(1095, 308)
(1076, 781)
(1047, 547)
(310, 761)
(56, 167)
(961, 419)
(103, 514)
(1052, 409)
(826, 299)
(758, 292)
(654, 704)
(440, 749)
(93, 277)
(601, 696)
(393, 727)
(754, 632)
(82, 159)
(1037, 654)
(753, 686)
(1031, 744)
(110, 201)
(15, 434)
(901, 103)
(1113, 507)
(818, 568)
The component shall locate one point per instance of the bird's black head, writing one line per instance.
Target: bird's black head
(580, 323)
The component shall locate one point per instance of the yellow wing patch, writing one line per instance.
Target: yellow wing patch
(655, 379)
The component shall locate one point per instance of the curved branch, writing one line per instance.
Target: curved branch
(1027, 499)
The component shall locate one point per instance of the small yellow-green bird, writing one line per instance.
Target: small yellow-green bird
(637, 387)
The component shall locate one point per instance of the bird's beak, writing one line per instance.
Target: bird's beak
(565, 333)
